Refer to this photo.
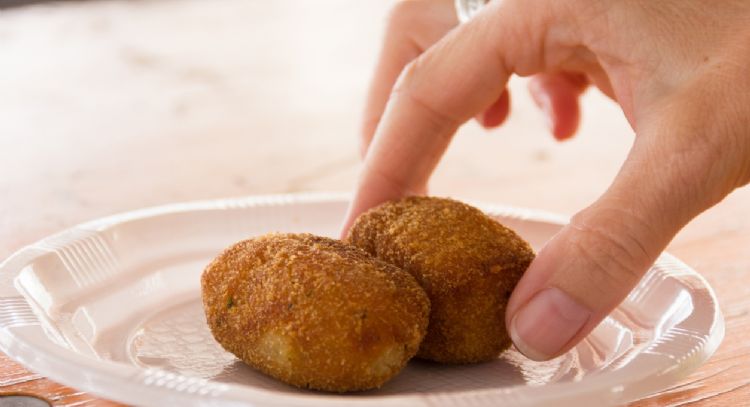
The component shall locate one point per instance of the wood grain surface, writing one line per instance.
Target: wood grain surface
(110, 106)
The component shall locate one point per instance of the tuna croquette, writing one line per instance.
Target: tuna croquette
(314, 312)
(466, 261)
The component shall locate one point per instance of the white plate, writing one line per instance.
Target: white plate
(113, 307)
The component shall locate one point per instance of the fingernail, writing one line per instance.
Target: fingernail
(546, 323)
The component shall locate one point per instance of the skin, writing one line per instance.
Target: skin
(677, 68)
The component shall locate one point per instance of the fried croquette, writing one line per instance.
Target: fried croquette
(467, 262)
(314, 312)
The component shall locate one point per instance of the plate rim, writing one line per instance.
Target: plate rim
(603, 386)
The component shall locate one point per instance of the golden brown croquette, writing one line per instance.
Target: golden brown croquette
(314, 312)
(467, 262)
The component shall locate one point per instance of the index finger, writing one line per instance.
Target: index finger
(461, 75)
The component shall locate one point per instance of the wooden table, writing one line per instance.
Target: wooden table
(114, 105)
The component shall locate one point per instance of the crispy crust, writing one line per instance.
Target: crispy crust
(467, 262)
(314, 312)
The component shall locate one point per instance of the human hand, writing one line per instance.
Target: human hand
(414, 26)
(678, 69)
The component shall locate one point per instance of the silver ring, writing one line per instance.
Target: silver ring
(466, 9)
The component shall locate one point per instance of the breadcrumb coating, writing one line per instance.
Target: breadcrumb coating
(467, 262)
(314, 312)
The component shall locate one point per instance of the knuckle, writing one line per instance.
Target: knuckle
(435, 118)
(615, 254)
(409, 88)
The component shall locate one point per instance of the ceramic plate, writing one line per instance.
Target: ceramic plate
(113, 307)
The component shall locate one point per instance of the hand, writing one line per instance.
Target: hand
(416, 25)
(678, 69)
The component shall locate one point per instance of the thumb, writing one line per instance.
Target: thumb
(592, 264)
(579, 277)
